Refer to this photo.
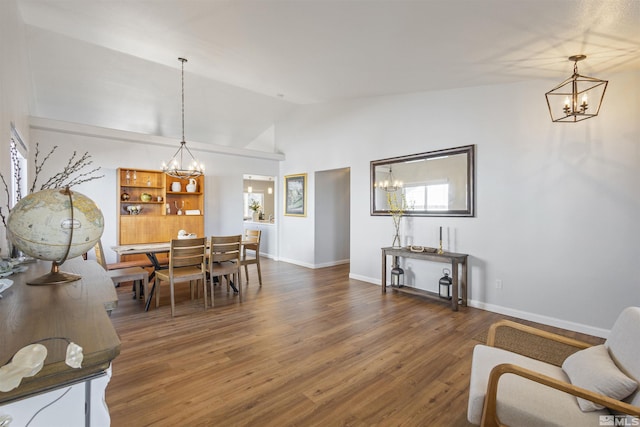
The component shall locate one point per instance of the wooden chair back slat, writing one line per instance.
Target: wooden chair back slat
(224, 260)
(187, 252)
(187, 262)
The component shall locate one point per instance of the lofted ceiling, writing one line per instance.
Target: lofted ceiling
(113, 63)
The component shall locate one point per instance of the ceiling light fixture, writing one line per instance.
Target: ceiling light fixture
(175, 167)
(577, 98)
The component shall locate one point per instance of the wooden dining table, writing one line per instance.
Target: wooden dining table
(151, 250)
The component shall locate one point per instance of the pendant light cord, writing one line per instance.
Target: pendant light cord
(174, 168)
(183, 60)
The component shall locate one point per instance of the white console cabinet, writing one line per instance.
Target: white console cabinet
(76, 405)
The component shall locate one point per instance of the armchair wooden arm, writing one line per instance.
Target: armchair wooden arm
(537, 344)
(489, 412)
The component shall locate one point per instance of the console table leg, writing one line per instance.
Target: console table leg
(384, 273)
(463, 283)
(454, 285)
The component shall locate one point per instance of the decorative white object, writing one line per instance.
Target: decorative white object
(74, 355)
(25, 363)
(192, 186)
(182, 234)
(176, 186)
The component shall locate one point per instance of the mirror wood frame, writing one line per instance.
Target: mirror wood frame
(469, 197)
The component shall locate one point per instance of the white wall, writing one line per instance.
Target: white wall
(556, 203)
(14, 92)
(111, 149)
(332, 236)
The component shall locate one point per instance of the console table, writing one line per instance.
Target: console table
(452, 258)
(77, 311)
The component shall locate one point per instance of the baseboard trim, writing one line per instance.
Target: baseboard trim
(538, 318)
(332, 263)
(525, 315)
(296, 262)
(316, 266)
(364, 279)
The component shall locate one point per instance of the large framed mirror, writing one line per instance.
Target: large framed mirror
(436, 183)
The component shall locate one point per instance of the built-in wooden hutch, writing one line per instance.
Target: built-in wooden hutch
(144, 219)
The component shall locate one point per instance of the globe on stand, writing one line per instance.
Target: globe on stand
(55, 225)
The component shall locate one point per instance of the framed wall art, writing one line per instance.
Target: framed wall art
(295, 195)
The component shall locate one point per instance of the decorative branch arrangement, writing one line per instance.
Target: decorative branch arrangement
(6, 190)
(65, 178)
(72, 174)
(17, 170)
(397, 209)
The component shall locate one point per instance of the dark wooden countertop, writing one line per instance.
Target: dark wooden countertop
(76, 311)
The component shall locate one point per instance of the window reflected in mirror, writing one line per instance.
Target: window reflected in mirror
(436, 183)
(259, 198)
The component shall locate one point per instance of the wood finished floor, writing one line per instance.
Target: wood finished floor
(308, 348)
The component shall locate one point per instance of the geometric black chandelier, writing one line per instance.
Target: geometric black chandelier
(176, 166)
(577, 98)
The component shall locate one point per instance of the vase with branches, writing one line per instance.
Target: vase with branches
(397, 207)
(73, 173)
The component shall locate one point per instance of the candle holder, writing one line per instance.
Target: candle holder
(440, 251)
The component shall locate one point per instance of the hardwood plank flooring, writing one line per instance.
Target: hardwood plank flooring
(308, 348)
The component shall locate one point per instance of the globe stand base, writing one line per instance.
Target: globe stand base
(55, 277)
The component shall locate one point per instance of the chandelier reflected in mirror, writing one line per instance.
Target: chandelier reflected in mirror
(577, 98)
(391, 184)
(183, 164)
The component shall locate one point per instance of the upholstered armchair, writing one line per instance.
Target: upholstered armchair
(575, 384)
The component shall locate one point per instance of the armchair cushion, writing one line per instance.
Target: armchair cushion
(522, 402)
(624, 347)
(593, 369)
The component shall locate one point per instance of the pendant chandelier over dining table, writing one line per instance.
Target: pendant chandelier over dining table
(183, 164)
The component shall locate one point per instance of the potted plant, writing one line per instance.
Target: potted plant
(254, 205)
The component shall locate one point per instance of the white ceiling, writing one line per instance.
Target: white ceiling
(113, 63)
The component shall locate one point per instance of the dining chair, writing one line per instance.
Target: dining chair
(224, 261)
(187, 262)
(138, 275)
(251, 242)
